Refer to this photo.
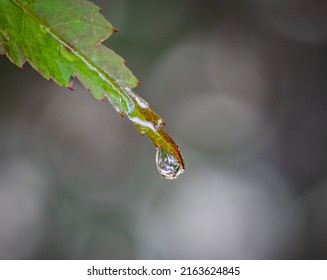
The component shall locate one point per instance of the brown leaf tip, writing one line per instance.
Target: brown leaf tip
(71, 86)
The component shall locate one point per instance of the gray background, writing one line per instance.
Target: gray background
(242, 87)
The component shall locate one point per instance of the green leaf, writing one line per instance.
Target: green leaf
(62, 39)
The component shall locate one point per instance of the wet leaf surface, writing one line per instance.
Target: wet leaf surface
(62, 39)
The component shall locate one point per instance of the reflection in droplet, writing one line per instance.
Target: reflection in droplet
(167, 165)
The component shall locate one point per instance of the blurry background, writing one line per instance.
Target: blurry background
(242, 86)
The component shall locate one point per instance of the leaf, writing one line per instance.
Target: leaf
(62, 39)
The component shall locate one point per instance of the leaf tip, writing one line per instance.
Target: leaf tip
(71, 87)
(71, 83)
(115, 29)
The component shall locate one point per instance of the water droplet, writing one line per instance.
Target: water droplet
(160, 123)
(167, 165)
(143, 123)
(141, 102)
(115, 102)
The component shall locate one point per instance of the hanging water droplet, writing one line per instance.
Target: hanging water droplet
(167, 165)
